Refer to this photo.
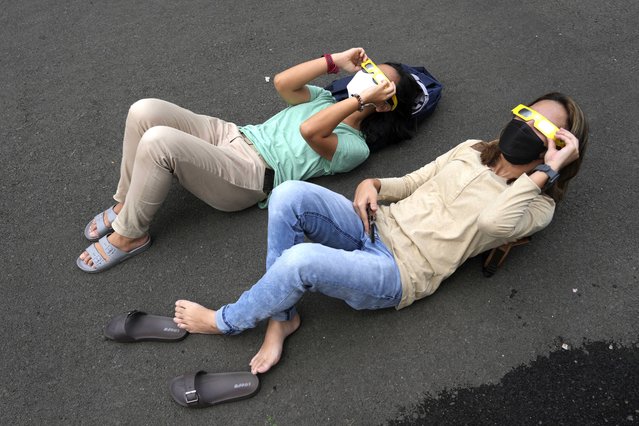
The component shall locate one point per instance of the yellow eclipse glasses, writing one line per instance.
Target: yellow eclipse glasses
(369, 67)
(541, 123)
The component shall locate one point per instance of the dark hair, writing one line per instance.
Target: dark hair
(577, 125)
(383, 129)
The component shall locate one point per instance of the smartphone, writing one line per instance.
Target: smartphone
(371, 224)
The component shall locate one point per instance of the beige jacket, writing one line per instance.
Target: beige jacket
(452, 209)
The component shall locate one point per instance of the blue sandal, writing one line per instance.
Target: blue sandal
(99, 222)
(114, 254)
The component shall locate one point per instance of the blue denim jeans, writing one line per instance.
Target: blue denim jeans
(341, 261)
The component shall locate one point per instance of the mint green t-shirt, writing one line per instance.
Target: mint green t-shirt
(279, 141)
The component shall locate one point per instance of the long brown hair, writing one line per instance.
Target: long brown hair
(577, 125)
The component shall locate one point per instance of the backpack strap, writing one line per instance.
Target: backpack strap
(496, 257)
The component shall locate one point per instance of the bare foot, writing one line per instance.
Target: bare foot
(271, 350)
(123, 243)
(195, 318)
(93, 228)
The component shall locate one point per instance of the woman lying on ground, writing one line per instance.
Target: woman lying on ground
(232, 168)
(477, 196)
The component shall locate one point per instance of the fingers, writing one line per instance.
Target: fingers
(365, 200)
(360, 209)
(360, 204)
(359, 55)
(568, 138)
(379, 93)
(569, 153)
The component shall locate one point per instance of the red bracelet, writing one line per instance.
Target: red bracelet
(331, 68)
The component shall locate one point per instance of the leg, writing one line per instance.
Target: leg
(364, 279)
(299, 209)
(227, 177)
(148, 113)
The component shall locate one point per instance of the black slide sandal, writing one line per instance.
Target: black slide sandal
(137, 326)
(202, 389)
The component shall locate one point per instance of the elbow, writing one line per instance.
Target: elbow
(279, 82)
(494, 226)
(307, 132)
(316, 141)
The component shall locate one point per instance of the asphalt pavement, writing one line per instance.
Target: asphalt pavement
(69, 71)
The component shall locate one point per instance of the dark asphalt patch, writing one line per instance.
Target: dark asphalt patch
(593, 385)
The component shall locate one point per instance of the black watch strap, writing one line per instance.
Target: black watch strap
(552, 175)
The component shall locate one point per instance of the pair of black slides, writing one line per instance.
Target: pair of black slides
(197, 390)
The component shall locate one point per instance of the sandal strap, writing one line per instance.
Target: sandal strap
(99, 220)
(190, 392)
(96, 256)
(120, 330)
(110, 249)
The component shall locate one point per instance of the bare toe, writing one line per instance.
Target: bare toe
(271, 350)
(195, 318)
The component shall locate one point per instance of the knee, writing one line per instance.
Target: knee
(286, 194)
(300, 258)
(155, 143)
(144, 110)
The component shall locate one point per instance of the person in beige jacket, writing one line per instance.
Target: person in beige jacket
(477, 196)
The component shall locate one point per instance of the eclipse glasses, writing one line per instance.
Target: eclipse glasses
(541, 123)
(369, 67)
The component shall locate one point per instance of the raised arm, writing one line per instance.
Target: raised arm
(291, 83)
(521, 210)
(317, 130)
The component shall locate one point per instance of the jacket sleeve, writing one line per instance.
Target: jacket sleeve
(395, 189)
(519, 211)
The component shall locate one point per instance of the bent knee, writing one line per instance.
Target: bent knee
(286, 189)
(284, 194)
(156, 141)
(145, 110)
(301, 257)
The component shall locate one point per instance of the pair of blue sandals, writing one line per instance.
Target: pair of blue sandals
(114, 255)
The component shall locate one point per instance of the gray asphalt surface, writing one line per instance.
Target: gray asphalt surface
(69, 71)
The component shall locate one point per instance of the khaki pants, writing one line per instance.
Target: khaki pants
(209, 156)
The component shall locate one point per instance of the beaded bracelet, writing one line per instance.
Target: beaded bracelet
(360, 108)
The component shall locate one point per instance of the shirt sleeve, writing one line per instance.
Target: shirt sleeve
(395, 189)
(316, 92)
(519, 211)
(351, 151)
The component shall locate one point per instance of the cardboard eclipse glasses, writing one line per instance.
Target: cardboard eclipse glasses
(541, 123)
(369, 67)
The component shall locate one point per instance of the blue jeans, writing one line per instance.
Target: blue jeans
(341, 262)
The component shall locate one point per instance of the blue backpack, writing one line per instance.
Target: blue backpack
(426, 103)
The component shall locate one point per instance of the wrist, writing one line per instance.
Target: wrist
(553, 165)
(551, 173)
(377, 184)
(360, 102)
(331, 65)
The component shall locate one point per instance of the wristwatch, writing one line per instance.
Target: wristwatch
(552, 175)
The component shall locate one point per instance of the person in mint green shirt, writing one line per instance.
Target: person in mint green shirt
(282, 146)
(232, 168)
